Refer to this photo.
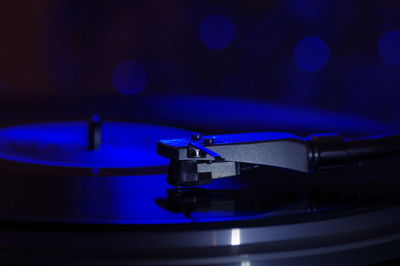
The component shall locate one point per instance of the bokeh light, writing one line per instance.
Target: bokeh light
(389, 47)
(217, 32)
(96, 118)
(311, 53)
(130, 77)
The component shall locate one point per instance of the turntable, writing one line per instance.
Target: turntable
(96, 192)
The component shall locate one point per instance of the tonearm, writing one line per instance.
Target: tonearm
(198, 159)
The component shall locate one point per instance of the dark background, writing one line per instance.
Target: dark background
(342, 56)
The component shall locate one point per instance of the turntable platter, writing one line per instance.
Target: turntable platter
(263, 215)
(65, 144)
(260, 195)
(139, 220)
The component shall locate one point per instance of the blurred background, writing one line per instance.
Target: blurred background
(333, 55)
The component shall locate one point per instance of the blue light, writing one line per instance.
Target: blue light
(130, 77)
(311, 54)
(133, 200)
(64, 144)
(238, 115)
(389, 47)
(96, 118)
(216, 32)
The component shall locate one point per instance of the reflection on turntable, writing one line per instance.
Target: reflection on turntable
(62, 199)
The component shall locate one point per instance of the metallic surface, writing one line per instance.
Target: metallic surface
(359, 238)
(198, 162)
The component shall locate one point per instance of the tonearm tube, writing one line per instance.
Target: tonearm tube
(198, 159)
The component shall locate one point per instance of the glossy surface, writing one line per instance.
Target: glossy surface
(262, 194)
(65, 144)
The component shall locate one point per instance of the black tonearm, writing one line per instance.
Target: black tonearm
(198, 160)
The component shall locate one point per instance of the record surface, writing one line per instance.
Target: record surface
(65, 145)
(266, 216)
(256, 195)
